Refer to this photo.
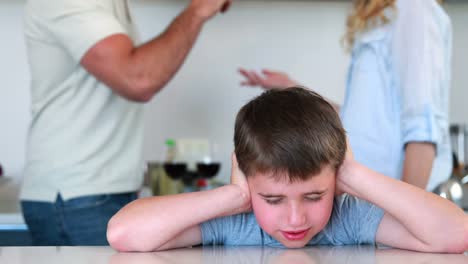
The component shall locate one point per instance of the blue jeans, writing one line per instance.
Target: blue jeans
(80, 221)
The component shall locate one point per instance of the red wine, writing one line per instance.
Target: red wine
(208, 170)
(175, 170)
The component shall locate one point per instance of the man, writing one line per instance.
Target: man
(88, 80)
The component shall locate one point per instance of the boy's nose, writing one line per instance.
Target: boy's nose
(297, 216)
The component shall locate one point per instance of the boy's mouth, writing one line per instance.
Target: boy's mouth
(295, 235)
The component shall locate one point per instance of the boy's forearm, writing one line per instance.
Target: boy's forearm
(147, 224)
(422, 213)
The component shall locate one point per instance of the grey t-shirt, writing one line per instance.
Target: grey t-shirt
(353, 221)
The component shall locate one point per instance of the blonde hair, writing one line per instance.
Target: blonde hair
(365, 15)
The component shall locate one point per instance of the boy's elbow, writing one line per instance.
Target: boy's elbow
(117, 236)
(461, 245)
(123, 238)
(465, 236)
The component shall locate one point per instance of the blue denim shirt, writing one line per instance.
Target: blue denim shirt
(398, 89)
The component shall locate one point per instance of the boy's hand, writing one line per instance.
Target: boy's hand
(238, 179)
(349, 151)
(344, 170)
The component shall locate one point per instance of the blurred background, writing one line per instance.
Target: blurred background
(299, 37)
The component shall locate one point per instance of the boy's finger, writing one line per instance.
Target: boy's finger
(349, 150)
(234, 159)
(234, 167)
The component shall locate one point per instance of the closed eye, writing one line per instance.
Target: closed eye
(274, 201)
(314, 199)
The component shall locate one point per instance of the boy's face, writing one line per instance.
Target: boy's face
(293, 213)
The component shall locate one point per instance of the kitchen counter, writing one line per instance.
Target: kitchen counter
(10, 210)
(13, 230)
(315, 255)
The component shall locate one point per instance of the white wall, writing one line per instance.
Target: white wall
(14, 93)
(202, 100)
(459, 95)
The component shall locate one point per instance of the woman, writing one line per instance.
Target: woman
(397, 93)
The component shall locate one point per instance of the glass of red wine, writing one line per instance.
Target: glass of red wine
(210, 166)
(208, 170)
(175, 170)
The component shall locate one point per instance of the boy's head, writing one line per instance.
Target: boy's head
(289, 144)
(294, 131)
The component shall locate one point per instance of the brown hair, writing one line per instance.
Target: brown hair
(294, 131)
(365, 14)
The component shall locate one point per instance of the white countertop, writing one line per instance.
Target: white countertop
(315, 255)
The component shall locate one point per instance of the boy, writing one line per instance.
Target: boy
(292, 168)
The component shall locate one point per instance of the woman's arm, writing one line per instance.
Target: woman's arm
(417, 167)
(270, 79)
(419, 58)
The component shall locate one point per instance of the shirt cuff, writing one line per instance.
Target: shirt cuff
(420, 127)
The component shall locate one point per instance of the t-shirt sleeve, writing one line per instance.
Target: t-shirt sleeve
(76, 25)
(353, 221)
(215, 231)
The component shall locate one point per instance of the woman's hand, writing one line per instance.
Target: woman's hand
(267, 79)
(238, 179)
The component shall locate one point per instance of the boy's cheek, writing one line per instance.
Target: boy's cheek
(264, 214)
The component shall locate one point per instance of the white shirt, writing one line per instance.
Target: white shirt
(84, 139)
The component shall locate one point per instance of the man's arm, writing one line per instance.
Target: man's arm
(417, 167)
(414, 219)
(137, 73)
